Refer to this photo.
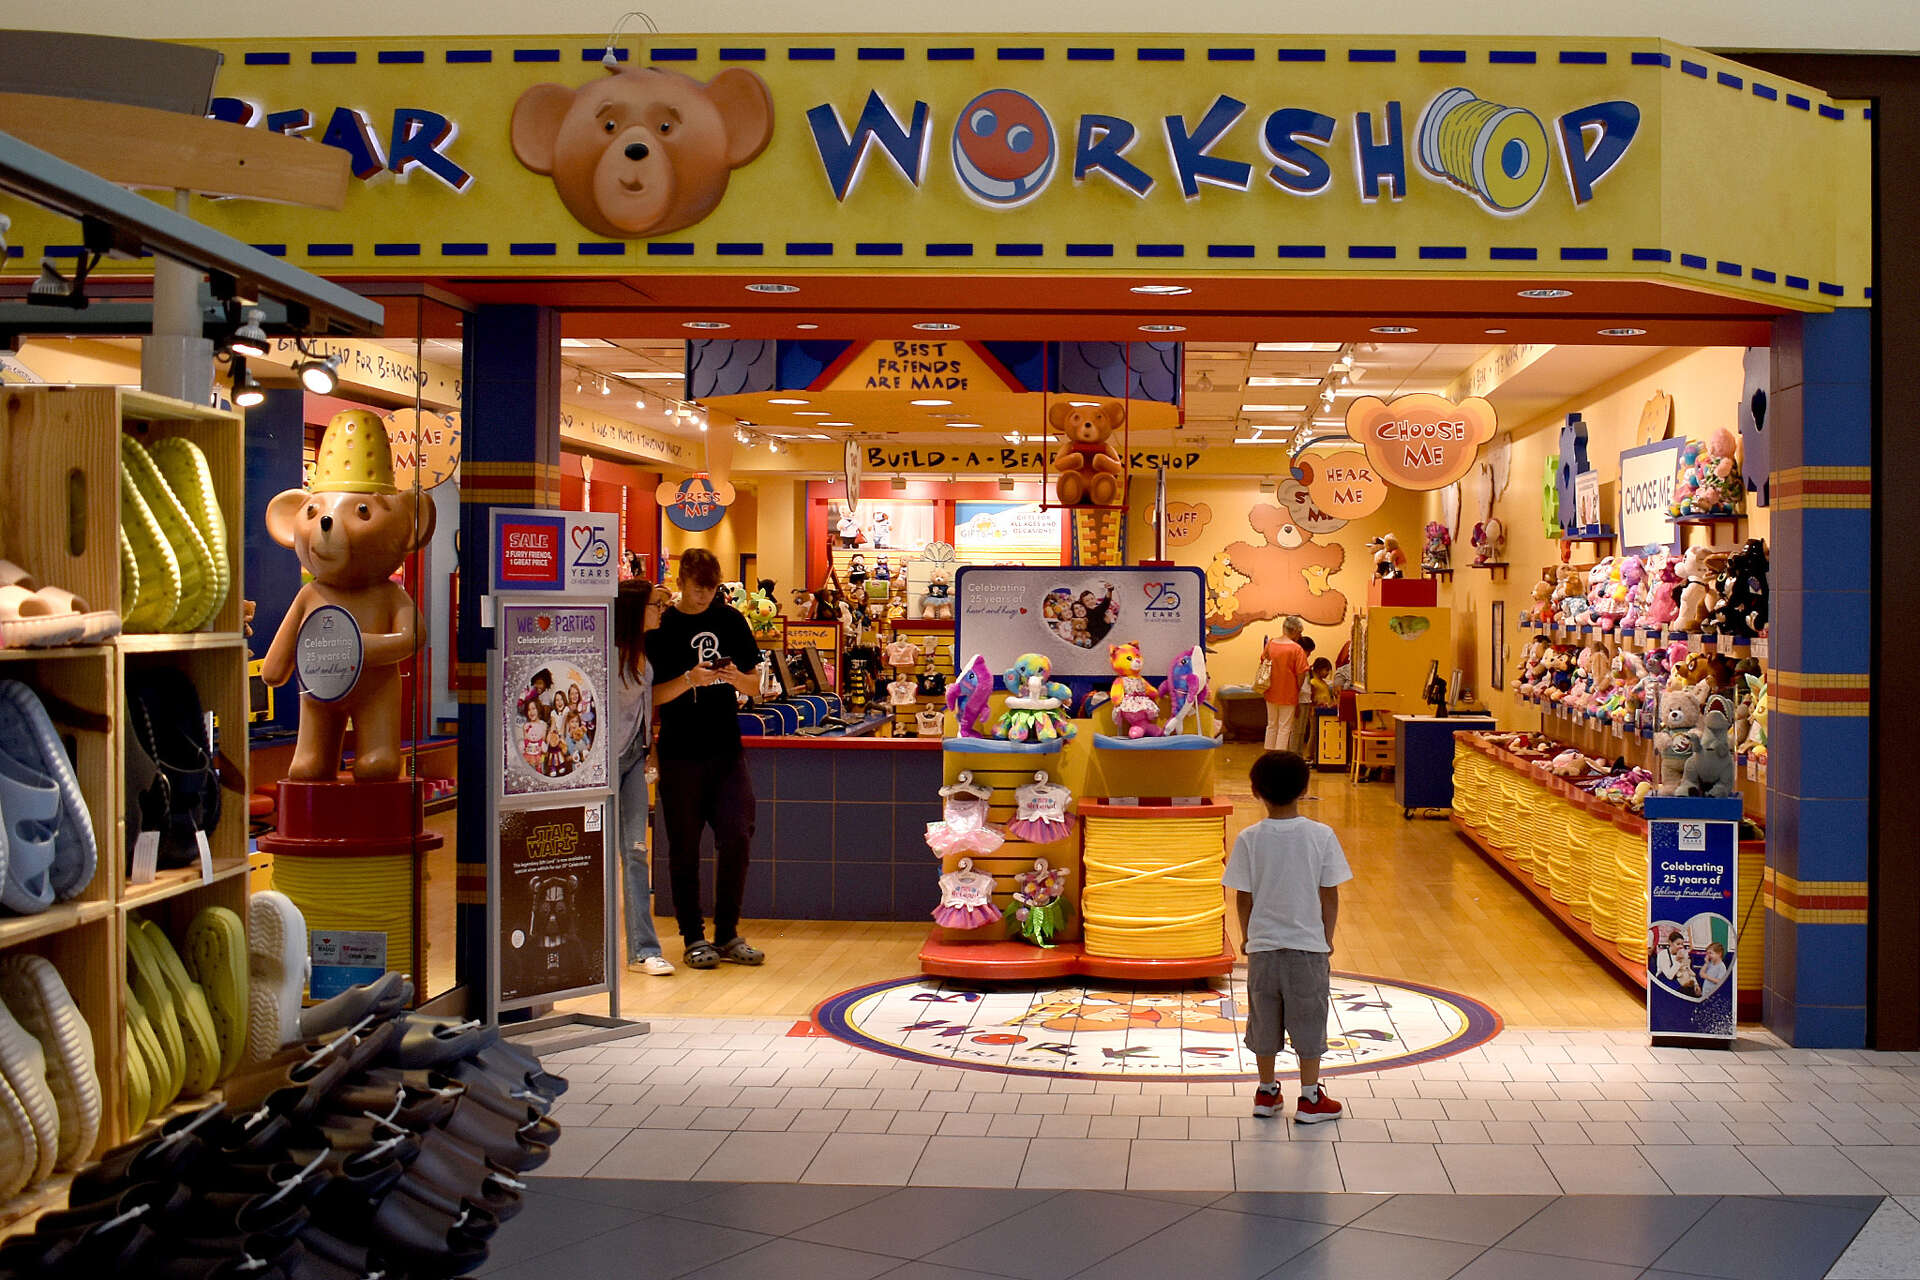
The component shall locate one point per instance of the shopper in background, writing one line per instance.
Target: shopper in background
(636, 611)
(1285, 875)
(1289, 666)
(1303, 706)
(703, 653)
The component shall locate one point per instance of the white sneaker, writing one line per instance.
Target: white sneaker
(658, 966)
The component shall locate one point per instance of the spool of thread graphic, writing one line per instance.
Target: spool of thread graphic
(1498, 154)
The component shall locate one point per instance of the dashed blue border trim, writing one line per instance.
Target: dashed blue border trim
(949, 250)
(1372, 55)
(1443, 55)
(1694, 69)
(459, 57)
(1798, 103)
(1020, 250)
(1159, 54)
(1159, 251)
(1795, 282)
(878, 249)
(597, 55)
(334, 58)
(1229, 251)
(1303, 55)
(1766, 91)
(1642, 58)
(266, 59)
(881, 53)
(1582, 253)
(533, 249)
(1301, 251)
(552, 55)
(1021, 53)
(948, 53)
(1089, 251)
(739, 249)
(271, 250)
(678, 54)
(1694, 261)
(1727, 268)
(329, 250)
(1374, 251)
(1764, 276)
(1730, 80)
(1229, 55)
(810, 53)
(1583, 58)
(1833, 290)
(669, 248)
(1443, 252)
(730, 53)
(464, 249)
(396, 250)
(1653, 255)
(809, 249)
(1512, 253)
(1089, 55)
(401, 57)
(602, 249)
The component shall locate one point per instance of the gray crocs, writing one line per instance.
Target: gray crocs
(703, 955)
(29, 816)
(738, 952)
(27, 736)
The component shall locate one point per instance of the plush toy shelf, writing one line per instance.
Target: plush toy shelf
(1003, 747)
(1169, 742)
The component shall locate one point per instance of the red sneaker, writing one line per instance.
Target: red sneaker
(1316, 1110)
(1267, 1101)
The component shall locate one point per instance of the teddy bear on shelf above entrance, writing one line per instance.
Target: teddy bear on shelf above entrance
(1090, 470)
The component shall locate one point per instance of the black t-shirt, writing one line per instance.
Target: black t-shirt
(700, 724)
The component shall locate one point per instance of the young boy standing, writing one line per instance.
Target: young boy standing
(1285, 873)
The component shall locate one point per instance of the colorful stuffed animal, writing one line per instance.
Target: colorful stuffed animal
(1185, 689)
(1543, 606)
(967, 697)
(1754, 744)
(1136, 704)
(1673, 741)
(1663, 590)
(1707, 480)
(1490, 541)
(1437, 555)
(1036, 703)
(1742, 610)
(1389, 561)
(1633, 575)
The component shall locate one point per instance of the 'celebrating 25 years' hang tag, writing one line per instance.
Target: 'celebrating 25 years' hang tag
(328, 653)
(146, 858)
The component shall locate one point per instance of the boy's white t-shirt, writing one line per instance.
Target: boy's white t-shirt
(1284, 863)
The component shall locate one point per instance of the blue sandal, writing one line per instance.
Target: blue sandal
(28, 739)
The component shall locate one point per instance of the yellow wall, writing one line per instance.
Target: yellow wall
(1233, 504)
(733, 537)
(780, 532)
(1705, 385)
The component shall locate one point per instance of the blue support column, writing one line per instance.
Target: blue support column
(510, 409)
(276, 434)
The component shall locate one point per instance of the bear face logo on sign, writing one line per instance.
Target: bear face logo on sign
(1421, 441)
(641, 151)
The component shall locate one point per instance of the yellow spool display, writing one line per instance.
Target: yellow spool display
(372, 895)
(1152, 887)
(1496, 153)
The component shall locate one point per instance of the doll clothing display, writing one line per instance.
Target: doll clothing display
(931, 683)
(902, 653)
(1040, 811)
(903, 693)
(963, 826)
(966, 898)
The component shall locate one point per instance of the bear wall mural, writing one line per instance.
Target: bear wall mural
(1287, 572)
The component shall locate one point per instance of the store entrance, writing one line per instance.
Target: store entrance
(1499, 874)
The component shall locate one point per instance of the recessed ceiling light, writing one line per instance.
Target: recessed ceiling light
(1083, 404)
(1264, 380)
(806, 326)
(1296, 346)
(930, 404)
(836, 424)
(1273, 408)
(1393, 328)
(811, 413)
(705, 324)
(964, 426)
(788, 400)
(773, 288)
(1162, 290)
(1163, 328)
(1494, 332)
(1546, 293)
(649, 375)
(1259, 439)
(1621, 333)
(936, 326)
(585, 342)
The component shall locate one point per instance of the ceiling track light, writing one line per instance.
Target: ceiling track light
(247, 392)
(247, 338)
(318, 372)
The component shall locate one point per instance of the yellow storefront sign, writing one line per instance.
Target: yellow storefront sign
(1330, 156)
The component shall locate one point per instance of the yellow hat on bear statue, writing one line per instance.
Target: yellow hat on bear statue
(355, 455)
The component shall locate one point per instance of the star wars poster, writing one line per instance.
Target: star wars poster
(552, 888)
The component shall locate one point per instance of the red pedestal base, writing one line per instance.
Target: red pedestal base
(1022, 962)
(1404, 593)
(351, 819)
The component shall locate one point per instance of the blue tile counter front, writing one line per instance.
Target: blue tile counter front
(839, 831)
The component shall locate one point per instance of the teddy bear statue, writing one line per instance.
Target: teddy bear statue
(351, 532)
(1742, 610)
(1136, 704)
(1090, 470)
(1437, 555)
(1707, 477)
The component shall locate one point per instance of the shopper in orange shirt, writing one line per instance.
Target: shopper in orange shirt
(1289, 667)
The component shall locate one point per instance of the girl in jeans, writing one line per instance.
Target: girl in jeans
(636, 611)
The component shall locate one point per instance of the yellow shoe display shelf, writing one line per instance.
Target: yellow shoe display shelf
(1584, 860)
(60, 469)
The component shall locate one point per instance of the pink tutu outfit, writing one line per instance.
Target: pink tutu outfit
(966, 898)
(1040, 812)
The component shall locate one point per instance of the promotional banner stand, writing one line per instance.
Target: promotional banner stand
(552, 835)
(1693, 847)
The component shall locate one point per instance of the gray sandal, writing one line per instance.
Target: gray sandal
(738, 952)
(703, 955)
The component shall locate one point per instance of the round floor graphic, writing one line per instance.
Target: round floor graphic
(1072, 1028)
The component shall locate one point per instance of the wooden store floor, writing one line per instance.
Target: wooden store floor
(1423, 906)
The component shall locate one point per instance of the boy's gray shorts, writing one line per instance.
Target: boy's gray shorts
(1288, 989)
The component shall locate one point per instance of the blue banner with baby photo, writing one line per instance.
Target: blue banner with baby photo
(1693, 847)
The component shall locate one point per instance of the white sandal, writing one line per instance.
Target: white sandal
(657, 966)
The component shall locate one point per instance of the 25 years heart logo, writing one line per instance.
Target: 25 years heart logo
(582, 533)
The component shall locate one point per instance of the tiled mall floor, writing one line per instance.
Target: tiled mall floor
(1581, 1154)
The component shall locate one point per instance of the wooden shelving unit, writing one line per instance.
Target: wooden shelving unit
(60, 467)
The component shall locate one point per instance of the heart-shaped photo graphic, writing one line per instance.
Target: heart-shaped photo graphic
(1080, 618)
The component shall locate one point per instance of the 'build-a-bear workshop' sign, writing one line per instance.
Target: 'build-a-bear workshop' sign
(868, 154)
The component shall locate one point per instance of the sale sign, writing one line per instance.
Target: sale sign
(1343, 483)
(1421, 441)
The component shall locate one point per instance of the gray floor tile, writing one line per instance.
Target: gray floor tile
(1481, 1220)
(1586, 1171)
(544, 1219)
(1480, 1168)
(1812, 1170)
(578, 1151)
(915, 1221)
(1351, 1252)
(669, 1246)
(1895, 1168)
(796, 1260)
(1764, 1239)
(1067, 1234)
(928, 1271)
(1214, 1244)
(775, 1210)
(1510, 1264)
(1337, 1208)
(640, 1195)
(1701, 1171)
(1887, 1248)
(1631, 1230)
(1392, 1167)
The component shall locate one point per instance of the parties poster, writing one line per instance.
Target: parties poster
(556, 701)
